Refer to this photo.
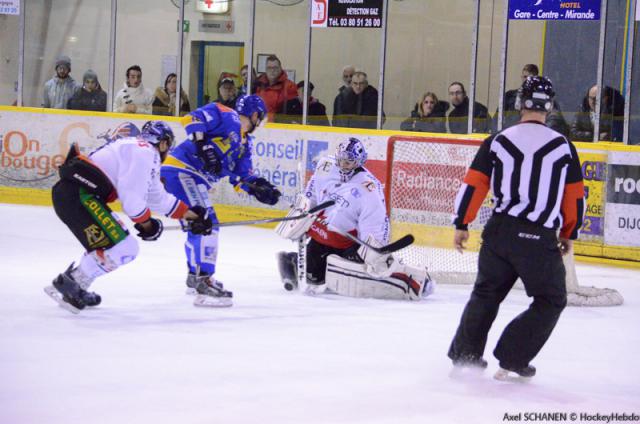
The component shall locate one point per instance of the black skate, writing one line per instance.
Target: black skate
(69, 294)
(523, 374)
(210, 292)
(470, 361)
(288, 267)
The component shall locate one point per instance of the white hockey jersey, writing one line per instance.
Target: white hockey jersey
(360, 207)
(133, 166)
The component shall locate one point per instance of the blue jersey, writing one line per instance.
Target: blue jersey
(220, 126)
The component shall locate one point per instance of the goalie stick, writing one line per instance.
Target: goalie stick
(401, 243)
(311, 211)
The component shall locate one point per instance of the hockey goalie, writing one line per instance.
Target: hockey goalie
(331, 261)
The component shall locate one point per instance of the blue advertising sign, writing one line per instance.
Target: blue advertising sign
(555, 10)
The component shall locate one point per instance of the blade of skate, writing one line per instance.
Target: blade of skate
(510, 376)
(212, 302)
(57, 297)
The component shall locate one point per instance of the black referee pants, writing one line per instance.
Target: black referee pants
(513, 248)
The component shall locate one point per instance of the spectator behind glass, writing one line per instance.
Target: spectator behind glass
(347, 74)
(90, 96)
(133, 97)
(611, 116)
(227, 92)
(458, 117)
(357, 107)
(275, 88)
(164, 102)
(429, 115)
(59, 89)
(316, 112)
(511, 115)
(554, 120)
(244, 74)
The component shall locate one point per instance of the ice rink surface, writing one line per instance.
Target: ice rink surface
(146, 355)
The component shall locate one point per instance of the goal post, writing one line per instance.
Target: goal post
(424, 175)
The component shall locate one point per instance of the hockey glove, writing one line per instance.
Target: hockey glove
(203, 224)
(207, 154)
(264, 191)
(153, 229)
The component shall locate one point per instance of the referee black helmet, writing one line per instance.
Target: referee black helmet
(536, 93)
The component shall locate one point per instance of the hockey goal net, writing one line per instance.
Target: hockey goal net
(423, 178)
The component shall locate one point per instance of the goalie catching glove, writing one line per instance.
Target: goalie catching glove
(263, 191)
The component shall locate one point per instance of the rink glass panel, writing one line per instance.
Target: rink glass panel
(155, 51)
(280, 30)
(428, 48)
(79, 30)
(634, 112)
(9, 27)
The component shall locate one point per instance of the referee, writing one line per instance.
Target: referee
(536, 180)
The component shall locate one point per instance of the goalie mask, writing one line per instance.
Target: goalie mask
(536, 93)
(350, 155)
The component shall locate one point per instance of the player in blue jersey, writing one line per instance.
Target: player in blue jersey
(218, 146)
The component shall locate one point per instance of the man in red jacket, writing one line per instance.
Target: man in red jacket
(275, 88)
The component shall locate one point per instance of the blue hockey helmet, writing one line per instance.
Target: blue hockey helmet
(154, 132)
(350, 155)
(247, 105)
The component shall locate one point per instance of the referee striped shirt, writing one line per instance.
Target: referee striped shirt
(534, 173)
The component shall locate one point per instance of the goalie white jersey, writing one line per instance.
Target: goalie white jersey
(359, 209)
(133, 166)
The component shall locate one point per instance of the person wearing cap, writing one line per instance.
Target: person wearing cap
(165, 98)
(227, 92)
(316, 112)
(90, 96)
(59, 89)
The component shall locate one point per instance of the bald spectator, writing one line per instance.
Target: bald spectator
(59, 89)
(357, 107)
(347, 74)
(275, 88)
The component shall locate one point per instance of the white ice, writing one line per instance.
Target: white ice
(146, 355)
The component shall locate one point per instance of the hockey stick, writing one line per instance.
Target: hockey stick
(311, 211)
(401, 243)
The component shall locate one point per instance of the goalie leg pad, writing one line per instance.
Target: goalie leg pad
(352, 279)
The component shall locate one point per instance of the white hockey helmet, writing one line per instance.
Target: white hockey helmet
(350, 155)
